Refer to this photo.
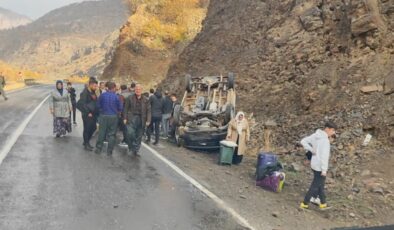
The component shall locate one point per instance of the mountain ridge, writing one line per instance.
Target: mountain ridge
(67, 41)
(10, 19)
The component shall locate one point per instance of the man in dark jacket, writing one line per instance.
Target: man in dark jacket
(125, 93)
(167, 110)
(173, 122)
(73, 97)
(2, 85)
(110, 108)
(137, 115)
(87, 104)
(157, 105)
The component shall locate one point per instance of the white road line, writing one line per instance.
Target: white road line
(15, 135)
(196, 184)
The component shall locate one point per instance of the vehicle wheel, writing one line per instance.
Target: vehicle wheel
(177, 114)
(231, 80)
(178, 138)
(188, 81)
(230, 113)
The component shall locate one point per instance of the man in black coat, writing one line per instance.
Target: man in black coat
(87, 104)
(136, 115)
(73, 97)
(173, 121)
(167, 110)
(157, 106)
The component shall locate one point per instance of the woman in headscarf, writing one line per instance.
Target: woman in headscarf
(239, 132)
(60, 108)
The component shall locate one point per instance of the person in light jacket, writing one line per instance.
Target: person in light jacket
(319, 145)
(2, 85)
(60, 108)
(239, 132)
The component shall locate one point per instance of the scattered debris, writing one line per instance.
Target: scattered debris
(372, 88)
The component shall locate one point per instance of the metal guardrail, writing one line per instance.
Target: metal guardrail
(31, 81)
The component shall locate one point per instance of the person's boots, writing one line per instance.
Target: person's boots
(88, 147)
(156, 140)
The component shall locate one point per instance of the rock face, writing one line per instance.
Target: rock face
(154, 35)
(300, 63)
(312, 19)
(9, 19)
(72, 40)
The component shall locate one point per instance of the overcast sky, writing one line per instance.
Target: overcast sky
(34, 8)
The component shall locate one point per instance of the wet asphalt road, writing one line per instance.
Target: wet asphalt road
(48, 183)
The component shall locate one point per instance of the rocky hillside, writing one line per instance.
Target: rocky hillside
(9, 19)
(72, 40)
(298, 64)
(154, 35)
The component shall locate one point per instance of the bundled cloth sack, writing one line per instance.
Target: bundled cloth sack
(269, 172)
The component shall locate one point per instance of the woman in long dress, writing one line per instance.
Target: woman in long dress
(60, 108)
(239, 132)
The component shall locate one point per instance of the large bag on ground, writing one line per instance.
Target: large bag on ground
(266, 164)
(273, 182)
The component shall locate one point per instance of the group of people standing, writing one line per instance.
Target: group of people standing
(111, 109)
(136, 114)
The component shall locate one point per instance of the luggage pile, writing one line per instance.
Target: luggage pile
(269, 172)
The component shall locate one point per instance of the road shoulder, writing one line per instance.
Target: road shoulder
(235, 185)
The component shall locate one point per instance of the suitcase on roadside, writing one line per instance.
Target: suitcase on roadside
(273, 182)
(266, 163)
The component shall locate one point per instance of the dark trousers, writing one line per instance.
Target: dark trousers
(135, 130)
(108, 127)
(317, 188)
(74, 112)
(2, 93)
(237, 159)
(154, 127)
(89, 127)
(122, 127)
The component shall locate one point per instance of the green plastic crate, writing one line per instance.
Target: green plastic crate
(226, 152)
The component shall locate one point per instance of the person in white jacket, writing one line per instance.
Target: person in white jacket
(319, 145)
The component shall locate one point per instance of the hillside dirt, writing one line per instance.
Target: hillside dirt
(299, 64)
(235, 185)
(153, 37)
(268, 210)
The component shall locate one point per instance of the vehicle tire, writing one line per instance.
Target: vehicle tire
(231, 80)
(178, 138)
(230, 113)
(189, 84)
(177, 114)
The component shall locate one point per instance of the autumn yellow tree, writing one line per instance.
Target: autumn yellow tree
(160, 24)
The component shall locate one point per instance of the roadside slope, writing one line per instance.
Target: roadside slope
(300, 63)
